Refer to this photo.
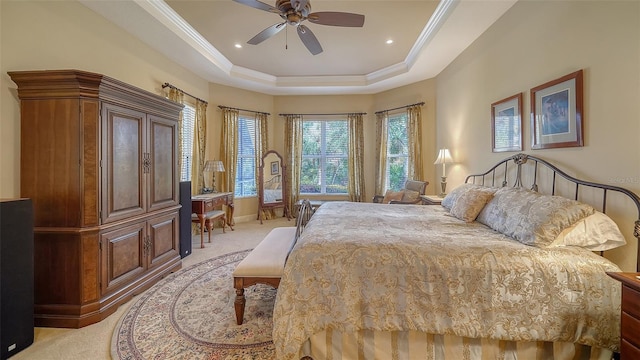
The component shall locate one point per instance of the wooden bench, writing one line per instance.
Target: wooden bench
(265, 263)
(208, 222)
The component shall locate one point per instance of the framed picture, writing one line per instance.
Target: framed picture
(556, 113)
(275, 168)
(506, 124)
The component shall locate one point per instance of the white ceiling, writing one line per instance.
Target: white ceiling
(201, 35)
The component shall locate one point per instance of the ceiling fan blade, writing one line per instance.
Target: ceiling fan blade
(299, 4)
(267, 33)
(259, 5)
(335, 18)
(309, 40)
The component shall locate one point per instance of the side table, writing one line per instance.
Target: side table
(431, 199)
(630, 317)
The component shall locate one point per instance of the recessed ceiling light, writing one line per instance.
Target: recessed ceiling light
(389, 42)
(239, 46)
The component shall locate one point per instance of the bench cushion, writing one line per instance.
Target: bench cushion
(268, 258)
(210, 215)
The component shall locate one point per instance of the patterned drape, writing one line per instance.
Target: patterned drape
(293, 149)
(178, 96)
(356, 157)
(414, 133)
(262, 142)
(382, 125)
(229, 148)
(199, 147)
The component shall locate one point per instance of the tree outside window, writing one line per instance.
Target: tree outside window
(325, 167)
(246, 163)
(397, 152)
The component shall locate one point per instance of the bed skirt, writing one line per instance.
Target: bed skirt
(406, 345)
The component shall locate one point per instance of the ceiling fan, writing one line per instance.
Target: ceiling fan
(294, 12)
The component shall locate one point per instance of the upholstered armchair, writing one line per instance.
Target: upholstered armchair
(410, 194)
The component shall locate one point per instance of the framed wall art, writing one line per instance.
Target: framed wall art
(506, 124)
(556, 113)
(275, 168)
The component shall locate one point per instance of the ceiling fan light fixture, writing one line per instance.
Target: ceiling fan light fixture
(294, 12)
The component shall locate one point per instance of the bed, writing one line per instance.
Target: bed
(273, 189)
(500, 278)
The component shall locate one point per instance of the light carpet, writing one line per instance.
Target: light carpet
(190, 315)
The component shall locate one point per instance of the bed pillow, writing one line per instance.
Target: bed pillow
(532, 218)
(596, 232)
(410, 196)
(469, 204)
(392, 195)
(451, 198)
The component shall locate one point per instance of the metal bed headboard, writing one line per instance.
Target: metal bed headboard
(520, 159)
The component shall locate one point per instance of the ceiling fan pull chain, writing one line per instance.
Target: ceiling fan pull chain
(286, 38)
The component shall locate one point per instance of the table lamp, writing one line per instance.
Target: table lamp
(444, 158)
(212, 166)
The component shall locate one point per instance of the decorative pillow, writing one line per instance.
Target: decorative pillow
(450, 199)
(470, 203)
(410, 196)
(392, 195)
(531, 218)
(596, 232)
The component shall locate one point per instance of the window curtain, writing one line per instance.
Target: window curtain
(356, 157)
(199, 147)
(229, 148)
(178, 96)
(262, 142)
(382, 126)
(414, 133)
(293, 149)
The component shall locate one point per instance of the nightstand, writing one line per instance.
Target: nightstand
(630, 318)
(431, 199)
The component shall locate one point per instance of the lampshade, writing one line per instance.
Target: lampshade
(444, 157)
(213, 166)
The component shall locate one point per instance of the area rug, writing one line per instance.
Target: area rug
(190, 315)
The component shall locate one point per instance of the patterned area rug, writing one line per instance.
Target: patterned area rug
(190, 315)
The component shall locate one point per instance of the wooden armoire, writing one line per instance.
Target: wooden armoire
(99, 159)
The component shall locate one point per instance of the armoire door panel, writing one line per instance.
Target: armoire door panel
(122, 255)
(122, 165)
(163, 182)
(164, 235)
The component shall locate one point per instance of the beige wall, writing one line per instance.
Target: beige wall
(538, 41)
(39, 35)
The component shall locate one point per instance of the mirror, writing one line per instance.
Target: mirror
(272, 178)
(272, 185)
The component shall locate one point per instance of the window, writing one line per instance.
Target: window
(397, 152)
(325, 168)
(188, 123)
(246, 165)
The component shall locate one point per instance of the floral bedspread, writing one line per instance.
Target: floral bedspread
(410, 267)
